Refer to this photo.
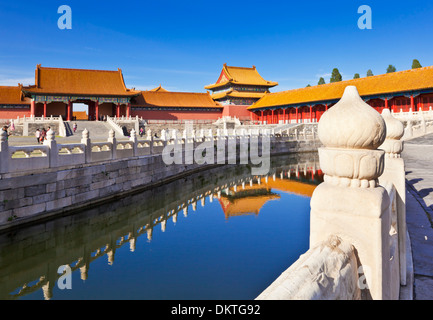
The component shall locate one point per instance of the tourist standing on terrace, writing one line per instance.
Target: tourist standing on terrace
(38, 135)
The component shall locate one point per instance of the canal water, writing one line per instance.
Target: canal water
(221, 234)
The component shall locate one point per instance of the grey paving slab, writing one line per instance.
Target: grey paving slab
(418, 156)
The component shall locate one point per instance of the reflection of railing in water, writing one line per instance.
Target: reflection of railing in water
(119, 235)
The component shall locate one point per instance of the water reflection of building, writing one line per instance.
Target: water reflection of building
(249, 199)
(30, 265)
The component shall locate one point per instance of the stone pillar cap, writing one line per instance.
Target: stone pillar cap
(394, 128)
(352, 124)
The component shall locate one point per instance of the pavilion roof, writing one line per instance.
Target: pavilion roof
(175, 99)
(237, 94)
(241, 76)
(12, 95)
(384, 84)
(159, 89)
(79, 82)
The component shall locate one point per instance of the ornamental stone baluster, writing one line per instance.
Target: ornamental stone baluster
(163, 135)
(87, 145)
(112, 139)
(395, 172)
(350, 203)
(52, 145)
(133, 139)
(4, 152)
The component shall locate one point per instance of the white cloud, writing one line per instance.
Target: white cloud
(14, 82)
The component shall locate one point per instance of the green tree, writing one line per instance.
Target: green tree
(369, 73)
(335, 76)
(356, 76)
(390, 69)
(416, 64)
(308, 85)
(321, 81)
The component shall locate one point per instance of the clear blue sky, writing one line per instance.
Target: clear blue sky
(183, 44)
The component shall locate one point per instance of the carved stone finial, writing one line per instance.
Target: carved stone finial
(85, 134)
(111, 134)
(394, 128)
(351, 132)
(163, 135)
(394, 132)
(352, 123)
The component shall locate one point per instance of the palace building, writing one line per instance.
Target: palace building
(238, 88)
(13, 103)
(410, 90)
(239, 92)
(160, 104)
(56, 89)
(104, 92)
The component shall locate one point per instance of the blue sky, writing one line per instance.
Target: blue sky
(182, 45)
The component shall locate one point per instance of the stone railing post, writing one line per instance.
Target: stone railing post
(350, 203)
(87, 145)
(53, 153)
(112, 139)
(133, 139)
(408, 132)
(4, 152)
(395, 172)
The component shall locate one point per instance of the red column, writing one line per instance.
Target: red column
(284, 115)
(296, 115)
(261, 116)
(326, 107)
(311, 114)
(97, 110)
(412, 105)
(69, 114)
(128, 110)
(272, 117)
(45, 109)
(118, 110)
(32, 108)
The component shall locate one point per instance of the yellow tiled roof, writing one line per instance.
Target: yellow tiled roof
(242, 76)
(402, 81)
(80, 115)
(159, 89)
(79, 81)
(13, 95)
(174, 99)
(237, 94)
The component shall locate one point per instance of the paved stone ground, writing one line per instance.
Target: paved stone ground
(418, 156)
(98, 133)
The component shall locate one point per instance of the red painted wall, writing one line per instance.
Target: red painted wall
(240, 112)
(14, 113)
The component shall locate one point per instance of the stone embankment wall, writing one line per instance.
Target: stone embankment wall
(29, 195)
